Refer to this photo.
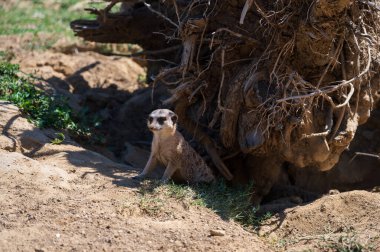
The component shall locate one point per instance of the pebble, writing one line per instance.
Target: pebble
(178, 243)
(217, 232)
(333, 192)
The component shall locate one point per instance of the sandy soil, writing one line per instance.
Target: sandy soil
(342, 220)
(63, 197)
(67, 198)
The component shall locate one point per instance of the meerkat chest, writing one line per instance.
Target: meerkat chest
(164, 156)
(166, 151)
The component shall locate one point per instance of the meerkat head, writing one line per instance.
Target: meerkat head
(162, 121)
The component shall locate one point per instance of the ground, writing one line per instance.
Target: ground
(64, 197)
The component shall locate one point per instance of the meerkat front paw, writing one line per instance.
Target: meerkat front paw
(164, 181)
(139, 177)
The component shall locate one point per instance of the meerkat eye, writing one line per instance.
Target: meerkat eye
(174, 119)
(150, 119)
(161, 120)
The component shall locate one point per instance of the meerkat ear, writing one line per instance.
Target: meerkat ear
(174, 118)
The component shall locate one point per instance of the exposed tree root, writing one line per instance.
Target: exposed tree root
(289, 80)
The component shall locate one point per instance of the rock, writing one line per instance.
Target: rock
(273, 237)
(376, 189)
(7, 143)
(333, 192)
(178, 243)
(217, 232)
(135, 156)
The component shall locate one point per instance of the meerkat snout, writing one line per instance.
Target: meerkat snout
(162, 119)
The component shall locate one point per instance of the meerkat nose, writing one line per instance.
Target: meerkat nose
(153, 128)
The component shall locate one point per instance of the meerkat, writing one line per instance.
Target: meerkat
(182, 162)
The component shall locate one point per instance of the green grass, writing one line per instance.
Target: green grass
(230, 203)
(39, 16)
(46, 20)
(44, 110)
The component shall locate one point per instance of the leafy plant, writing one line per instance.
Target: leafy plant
(45, 111)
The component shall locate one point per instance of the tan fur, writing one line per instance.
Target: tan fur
(183, 164)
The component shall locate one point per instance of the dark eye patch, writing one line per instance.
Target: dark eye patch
(161, 120)
(150, 119)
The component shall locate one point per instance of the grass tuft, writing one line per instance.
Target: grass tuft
(230, 203)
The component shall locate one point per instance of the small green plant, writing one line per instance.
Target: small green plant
(45, 111)
(59, 139)
(151, 206)
(7, 55)
(345, 243)
(141, 79)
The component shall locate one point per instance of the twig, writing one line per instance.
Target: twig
(196, 90)
(247, 5)
(338, 49)
(356, 71)
(338, 123)
(220, 107)
(155, 52)
(231, 155)
(334, 88)
(237, 61)
(352, 90)
(161, 75)
(160, 14)
(329, 123)
(363, 154)
(176, 11)
(254, 41)
(200, 46)
(155, 60)
(112, 4)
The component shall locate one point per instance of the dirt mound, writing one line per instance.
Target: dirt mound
(74, 71)
(64, 197)
(340, 221)
(111, 89)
